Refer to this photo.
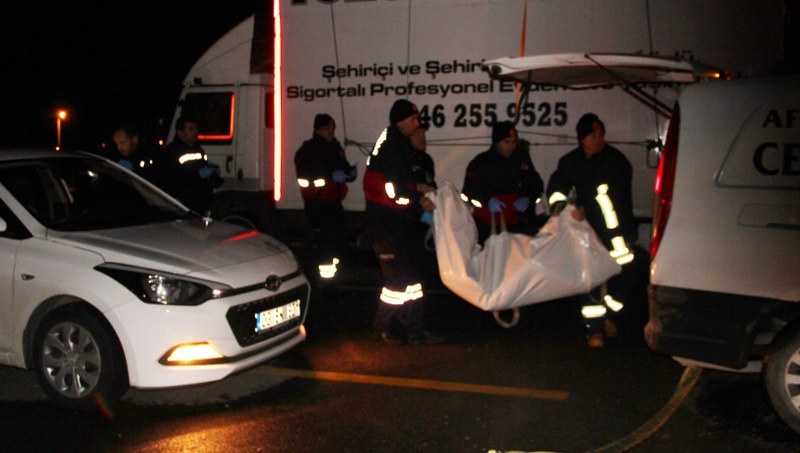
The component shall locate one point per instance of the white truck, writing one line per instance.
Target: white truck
(258, 88)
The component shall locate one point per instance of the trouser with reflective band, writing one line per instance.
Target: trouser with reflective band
(608, 303)
(401, 302)
(327, 220)
(597, 306)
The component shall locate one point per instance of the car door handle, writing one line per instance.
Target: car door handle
(228, 162)
(27, 277)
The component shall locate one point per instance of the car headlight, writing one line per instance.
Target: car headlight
(163, 288)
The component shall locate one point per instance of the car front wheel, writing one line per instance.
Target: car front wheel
(782, 377)
(78, 361)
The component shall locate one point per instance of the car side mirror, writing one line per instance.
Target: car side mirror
(3, 225)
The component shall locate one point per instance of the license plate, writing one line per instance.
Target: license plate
(268, 319)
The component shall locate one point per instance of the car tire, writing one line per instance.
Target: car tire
(79, 362)
(782, 377)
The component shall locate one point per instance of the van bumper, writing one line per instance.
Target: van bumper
(710, 327)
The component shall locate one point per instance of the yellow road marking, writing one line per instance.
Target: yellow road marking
(688, 380)
(425, 384)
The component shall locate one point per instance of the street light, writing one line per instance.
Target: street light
(60, 116)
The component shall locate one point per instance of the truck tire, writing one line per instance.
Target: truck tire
(79, 362)
(782, 377)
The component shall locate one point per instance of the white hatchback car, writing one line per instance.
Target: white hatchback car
(106, 283)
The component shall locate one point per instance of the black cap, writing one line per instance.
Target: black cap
(585, 125)
(503, 130)
(321, 120)
(401, 109)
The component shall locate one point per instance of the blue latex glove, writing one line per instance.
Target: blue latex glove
(339, 176)
(426, 218)
(522, 204)
(207, 171)
(496, 206)
(126, 163)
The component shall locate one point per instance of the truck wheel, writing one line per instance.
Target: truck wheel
(78, 361)
(782, 377)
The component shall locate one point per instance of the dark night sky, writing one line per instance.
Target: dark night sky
(107, 61)
(103, 61)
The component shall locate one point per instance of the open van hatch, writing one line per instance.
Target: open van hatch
(588, 70)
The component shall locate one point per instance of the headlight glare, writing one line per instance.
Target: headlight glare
(169, 291)
(163, 288)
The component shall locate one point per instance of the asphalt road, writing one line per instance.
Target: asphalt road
(536, 387)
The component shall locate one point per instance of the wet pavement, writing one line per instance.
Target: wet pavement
(535, 387)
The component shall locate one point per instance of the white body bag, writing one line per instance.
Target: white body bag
(564, 259)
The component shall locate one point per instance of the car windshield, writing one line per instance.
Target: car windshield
(85, 193)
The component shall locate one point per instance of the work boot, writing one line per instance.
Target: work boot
(596, 340)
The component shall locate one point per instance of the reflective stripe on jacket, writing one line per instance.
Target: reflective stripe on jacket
(390, 180)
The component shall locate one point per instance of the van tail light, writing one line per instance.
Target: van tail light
(665, 181)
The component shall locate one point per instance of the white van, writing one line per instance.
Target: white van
(725, 249)
(725, 270)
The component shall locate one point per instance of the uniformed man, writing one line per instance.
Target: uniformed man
(503, 182)
(600, 176)
(394, 193)
(130, 150)
(322, 175)
(183, 170)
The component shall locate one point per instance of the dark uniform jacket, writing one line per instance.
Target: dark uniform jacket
(393, 161)
(586, 174)
(139, 162)
(178, 171)
(490, 175)
(317, 159)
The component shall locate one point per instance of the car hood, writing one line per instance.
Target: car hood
(184, 247)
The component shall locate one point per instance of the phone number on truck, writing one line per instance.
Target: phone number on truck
(543, 114)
